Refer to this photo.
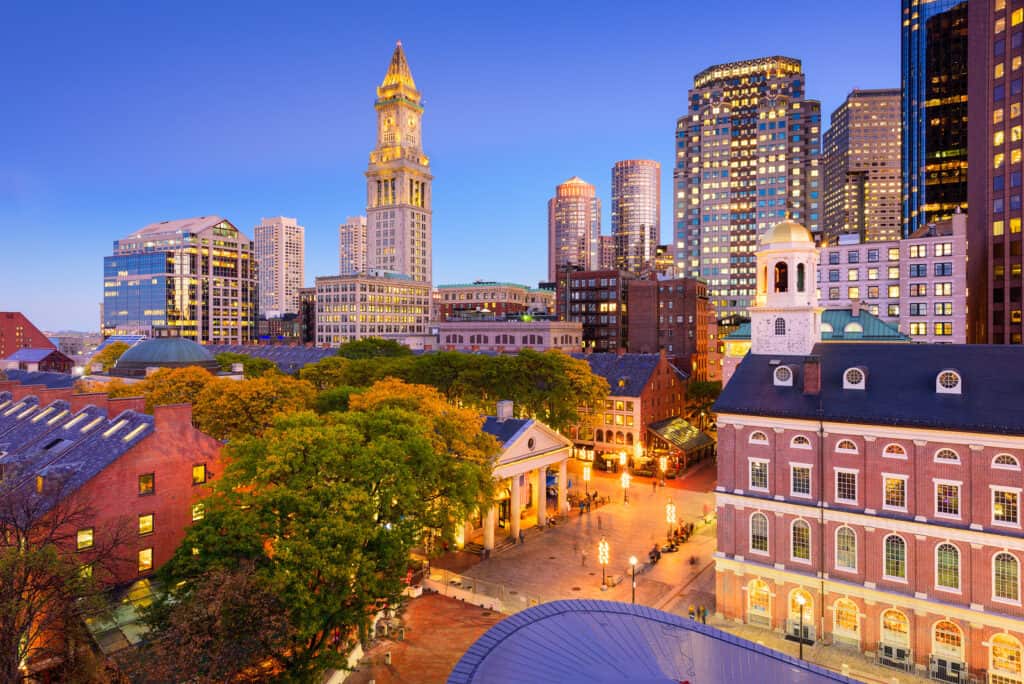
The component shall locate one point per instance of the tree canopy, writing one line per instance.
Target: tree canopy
(229, 409)
(110, 354)
(372, 348)
(253, 366)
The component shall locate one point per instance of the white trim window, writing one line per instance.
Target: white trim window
(846, 446)
(894, 492)
(846, 485)
(846, 549)
(1005, 506)
(894, 451)
(759, 533)
(758, 437)
(894, 565)
(800, 541)
(948, 640)
(1005, 578)
(846, 617)
(947, 567)
(800, 480)
(946, 455)
(759, 474)
(1005, 462)
(947, 498)
(800, 442)
(1004, 659)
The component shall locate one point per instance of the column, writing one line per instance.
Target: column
(515, 502)
(542, 496)
(490, 518)
(563, 484)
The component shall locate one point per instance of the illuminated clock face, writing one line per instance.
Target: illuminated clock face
(388, 122)
(411, 122)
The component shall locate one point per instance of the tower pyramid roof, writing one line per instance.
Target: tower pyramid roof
(398, 71)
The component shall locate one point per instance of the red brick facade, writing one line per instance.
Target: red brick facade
(17, 332)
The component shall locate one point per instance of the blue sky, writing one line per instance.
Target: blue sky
(118, 115)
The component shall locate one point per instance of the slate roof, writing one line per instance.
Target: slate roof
(900, 387)
(505, 431)
(874, 328)
(51, 380)
(587, 641)
(627, 374)
(288, 359)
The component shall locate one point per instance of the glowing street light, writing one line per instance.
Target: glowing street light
(670, 517)
(632, 565)
(625, 487)
(801, 601)
(663, 464)
(602, 559)
(586, 478)
(622, 460)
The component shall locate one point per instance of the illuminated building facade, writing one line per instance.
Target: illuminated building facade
(490, 298)
(398, 193)
(574, 227)
(636, 213)
(352, 245)
(861, 163)
(370, 304)
(746, 157)
(281, 258)
(934, 77)
(197, 276)
(606, 252)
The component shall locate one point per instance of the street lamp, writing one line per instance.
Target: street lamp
(800, 602)
(586, 478)
(622, 460)
(602, 559)
(670, 518)
(663, 463)
(632, 565)
(625, 487)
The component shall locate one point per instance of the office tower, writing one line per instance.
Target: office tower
(281, 260)
(934, 76)
(574, 227)
(861, 163)
(606, 252)
(352, 245)
(196, 276)
(370, 304)
(398, 196)
(746, 158)
(636, 213)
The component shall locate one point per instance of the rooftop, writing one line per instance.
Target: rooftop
(841, 325)
(288, 359)
(627, 374)
(31, 355)
(505, 430)
(189, 225)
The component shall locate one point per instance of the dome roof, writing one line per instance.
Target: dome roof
(163, 352)
(786, 231)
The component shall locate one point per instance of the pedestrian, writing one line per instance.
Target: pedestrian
(700, 613)
(575, 546)
(583, 558)
(654, 484)
(522, 537)
(598, 521)
(692, 612)
(704, 615)
(581, 507)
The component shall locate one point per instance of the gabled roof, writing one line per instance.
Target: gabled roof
(680, 434)
(31, 355)
(627, 374)
(900, 387)
(834, 324)
(505, 430)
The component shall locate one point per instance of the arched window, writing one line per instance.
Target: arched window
(1006, 577)
(794, 604)
(846, 548)
(758, 437)
(948, 639)
(947, 456)
(894, 451)
(800, 442)
(895, 557)
(846, 446)
(758, 601)
(781, 277)
(800, 277)
(780, 326)
(947, 382)
(1005, 462)
(1004, 658)
(759, 532)
(619, 438)
(844, 615)
(629, 439)
(947, 566)
(895, 628)
(800, 541)
(599, 436)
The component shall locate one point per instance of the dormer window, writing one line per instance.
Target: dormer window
(854, 378)
(948, 382)
(783, 376)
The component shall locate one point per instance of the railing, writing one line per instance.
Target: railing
(947, 670)
(793, 630)
(492, 595)
(900, 657)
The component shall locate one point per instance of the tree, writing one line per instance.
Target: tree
(174, 386)
(700, 397)
(372, 348)
(327, 509)
(553, 387)
(229, 409)
(331, 371)
(110, 354)
(335, 398)
(253, 366)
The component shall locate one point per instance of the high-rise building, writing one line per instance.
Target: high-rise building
(746, 158)
(398, 195)
(574, 227)
(636, 213)
(861, 163)
(281, 258)
(196, 276)
(352, 245)
(606, 253)
(934, 135)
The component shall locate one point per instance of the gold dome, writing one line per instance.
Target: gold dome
(786, 231)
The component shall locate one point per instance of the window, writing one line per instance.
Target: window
(946, 456)
(894, 491)
(146, 484)
(845, 616)
(894, 254)
(947, 499)
(947, 567)
(145, 560)
(948, 639)
(198, 511)
(783, 376)
(84, 538)
(758, 437)
(1005, 657)
(1005, 462)
(1006, 506)
(833, 257)
(780, 326)
(145, 524)
(846, 486)
(846, 548)
(947, 382)
(759, 533)
(846, 446)
(800, 480)
(943, 329)
(895, 628)
(1005, 577)
(199, 474)
(895, 557)
(801, 541)
(918, 270)
(894, 451)
(758, 599)
(759, 474)
(800, 442)
(853, 378)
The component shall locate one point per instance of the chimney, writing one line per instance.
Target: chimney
(504, 410)
(812, 376)
(855, 308)
(237, 368)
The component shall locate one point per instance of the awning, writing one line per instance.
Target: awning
(681, 434)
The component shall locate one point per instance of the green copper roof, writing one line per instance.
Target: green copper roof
(160, 350)
(481, 285)
(835, 327)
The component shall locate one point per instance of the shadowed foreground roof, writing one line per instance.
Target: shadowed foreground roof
(603, 641)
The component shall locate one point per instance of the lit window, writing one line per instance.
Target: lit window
(948, 639)
(800, 442)
(895, 557)
(145, 560)
(145, 524)
(894, 451)
(199, 474)
(758, 438)
(759, 475)
(801, 541)
(895, 491)
(146, 484)
(1006, 577)
(1005, 506)
(846, 446)
(947, 499)
(846, 548)
(759, 533)
(846, 616)
(947, 566)
(947, 455)
(198, 511)
(84, 538)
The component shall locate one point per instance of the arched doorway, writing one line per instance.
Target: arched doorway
(759, 604)
(894, 648)
(846, 623)
(1004, 660)
(946, 661)
(793, 621)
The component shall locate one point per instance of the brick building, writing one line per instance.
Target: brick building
(674, 315)
(17, 332)
(490, 297)
(500, 335)
(47, 359)
(598, 300)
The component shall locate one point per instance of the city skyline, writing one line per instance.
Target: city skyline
(161, 133)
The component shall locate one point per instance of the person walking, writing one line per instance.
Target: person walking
(583, 559)
(700, 613)
(654, 485)
(522, 537)
(598, 521)
(704, 614)
(693, 613)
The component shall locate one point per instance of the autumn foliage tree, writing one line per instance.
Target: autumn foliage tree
(110, 354)
(228, 409)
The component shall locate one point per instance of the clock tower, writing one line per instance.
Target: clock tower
(398, 192)
(785, 318)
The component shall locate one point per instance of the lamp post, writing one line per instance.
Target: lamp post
(663, 464)
(602, 559)
(800, 602)
(586, 478)
(632, 572)
(622, 460)
(670, 518)
(625, 487)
